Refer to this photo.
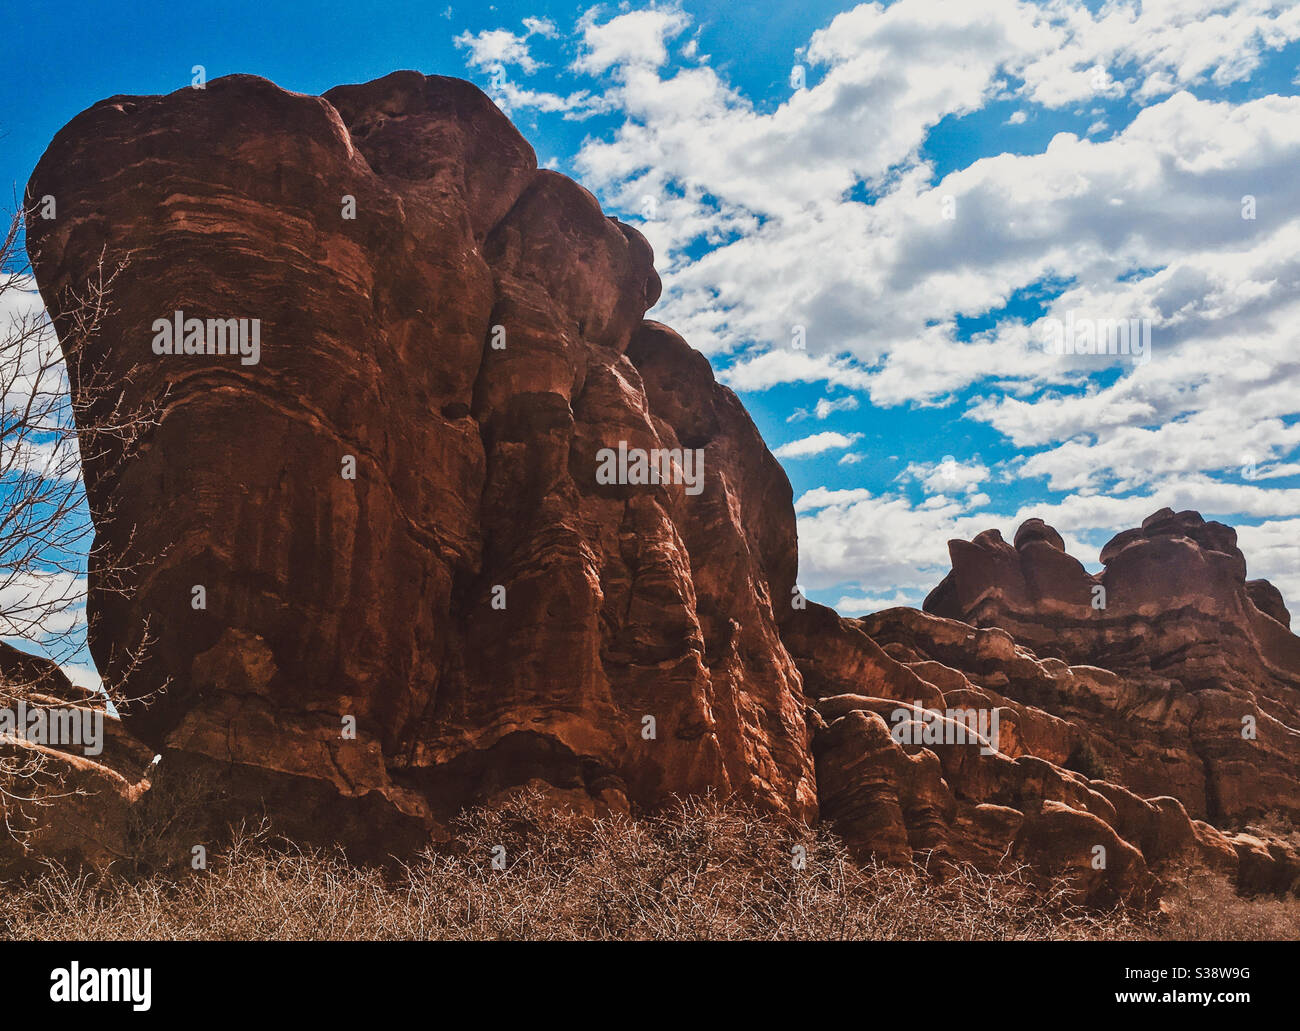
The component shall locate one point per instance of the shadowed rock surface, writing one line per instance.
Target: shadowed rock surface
(491, 614)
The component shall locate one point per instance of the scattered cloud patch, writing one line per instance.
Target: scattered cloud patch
(817, 444)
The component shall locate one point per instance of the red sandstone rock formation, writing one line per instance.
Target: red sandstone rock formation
(1038, 796)
(1139, 708)
(485, 609)
(491, 611)
(59, 801)
(1205, 701)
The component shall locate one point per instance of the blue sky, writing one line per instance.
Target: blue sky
(920, 191)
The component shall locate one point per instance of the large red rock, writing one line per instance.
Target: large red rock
(910, 764)
(485, 609)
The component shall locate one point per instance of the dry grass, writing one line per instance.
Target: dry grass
(1204, 907)
(700, 871)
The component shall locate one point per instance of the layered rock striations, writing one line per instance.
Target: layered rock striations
(905, 770)
(464, 520)
(395, 514)
(1203, 700)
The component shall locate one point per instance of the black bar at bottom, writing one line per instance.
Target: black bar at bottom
(211, 981)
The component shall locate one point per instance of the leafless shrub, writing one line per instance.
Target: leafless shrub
(168, 820)
(701, 870)
(1205, 907)
(46, 532)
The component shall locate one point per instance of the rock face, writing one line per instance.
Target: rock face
(1206, 702)
(381, 570)
(394, 514)
(89, 787)
(910, 762)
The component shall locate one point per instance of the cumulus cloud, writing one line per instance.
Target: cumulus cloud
(875, 292)
(946, 476)
(496, 48)
(637, 38)
(817, 444)
(541, 27)
(824, 408)
(811, 242)
(856, 537)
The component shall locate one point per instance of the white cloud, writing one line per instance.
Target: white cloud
(493, 49)
(817, 444)
(820, 497)
(1272, 551)
(541, 27)
(35, 603)
(827, 406)
(855, 537)
(496, 48)
(860, 606)
(824, 408)
(84, 675)
(634, 38)
(773, 367)
(1153, 49)
(575, 106)
(947, 475)
(886, 284)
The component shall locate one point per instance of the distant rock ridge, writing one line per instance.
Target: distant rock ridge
(1209, 654)
(483, 611)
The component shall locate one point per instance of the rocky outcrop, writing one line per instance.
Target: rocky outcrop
(400, 556)
(944, 743)
(70, 773)
(393, 519)
(1142, 713)
(1202, 699)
